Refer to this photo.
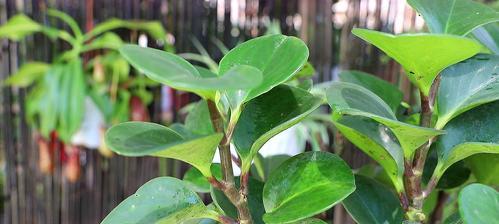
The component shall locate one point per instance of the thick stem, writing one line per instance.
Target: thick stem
(228, 186)
(414, 169)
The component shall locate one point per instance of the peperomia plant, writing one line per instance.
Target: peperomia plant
(458, 85)
(243, 106)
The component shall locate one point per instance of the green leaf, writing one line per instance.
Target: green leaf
(70, 99)
(198, 120)
(472, 132)
(477, 80)
(46, 92)
(385, 90)
(377, 141)
(174, 71)
(489, 36)
(161, 200)
(278, 57)
(267, 165)
(18, 27)
(354, 100)
(255, 202)
(268, 115)
(108, 40)
(423, 56)
(456, 17)
(27, 74)
(372, 202)
(143, 138)
(73, 25)
(310, 221)
(197, 182)
(485, 168)
(455, 218)
(305, 185)
(307, 71)
(479, 204)
(456, 175)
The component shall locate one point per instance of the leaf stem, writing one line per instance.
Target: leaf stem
(228, 186)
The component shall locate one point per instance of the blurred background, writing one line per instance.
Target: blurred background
(82, 186)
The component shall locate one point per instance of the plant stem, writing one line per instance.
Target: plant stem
(228, 186)
(413, 173)
(436, 215)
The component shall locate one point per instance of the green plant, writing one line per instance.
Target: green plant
(458, 85)
(245, 104)
(63, 82)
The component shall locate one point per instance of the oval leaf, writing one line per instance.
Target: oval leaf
(385, 90)
(278, 57)
(354, 100)
(477, 80)
(149, 139)
(268, 115)
(305, 185)
(472, 132)
(423, 56)
(456, 17)
(161, 200)
(372, 202)
(174, 71)
(479, 204)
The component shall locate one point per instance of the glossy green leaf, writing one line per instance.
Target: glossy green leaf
(354, 100)
(255, 203)
(372, 202)
(198, 120)
(377, 141)
(456, 17)
(385, 90)
(143, 139)
(71, 99)
(422, 56)
(268, 115)
(305, 185)
(174, 71)
(479, 204)
(278, 57)
(27, 74)
(477, 80)
(265, 166)
(485, 168)
(489, 36)
(161, 200)
(197, 182)
(472, 132)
